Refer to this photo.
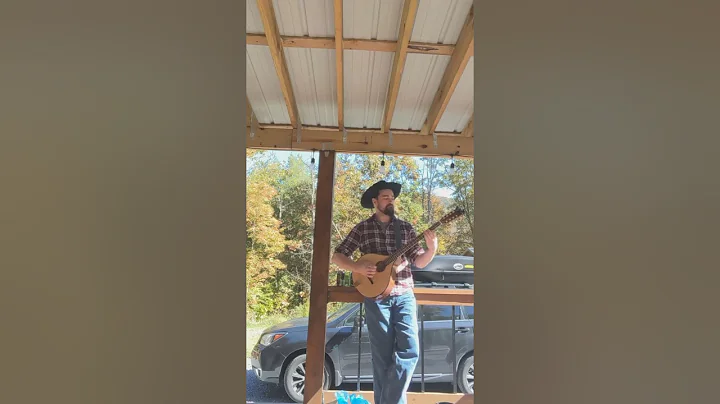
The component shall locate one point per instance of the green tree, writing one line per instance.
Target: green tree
(462, 184)
(294, 205)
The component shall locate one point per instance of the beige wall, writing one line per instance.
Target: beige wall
(598, 177)
(121, 202)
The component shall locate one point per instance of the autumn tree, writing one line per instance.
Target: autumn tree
(265, 242)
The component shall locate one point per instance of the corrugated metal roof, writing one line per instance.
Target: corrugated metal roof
(314, 18)
(372, 19)
(263, 86)
(312, 71)
(460, 107)
(314, 81)
(253, 22)
(366, 73)
(440, 21)
(366, 82)
(420, 81)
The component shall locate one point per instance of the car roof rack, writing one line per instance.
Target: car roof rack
(444, 285)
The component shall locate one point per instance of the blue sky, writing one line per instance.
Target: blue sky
(283, 155)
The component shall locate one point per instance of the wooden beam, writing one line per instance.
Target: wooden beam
(308, 42)
(468, 131)
(361, 142)
(319, 280)
(272, 35)
(453, 72)
(412, 397)
(442, 297)
(373, 45)
(406, 26)
(249, 111)
(363, 130)
(339, 60)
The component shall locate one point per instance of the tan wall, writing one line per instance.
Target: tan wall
(598, 194)
(121, 202)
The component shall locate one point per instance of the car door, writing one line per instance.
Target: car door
(436, 340)
(464, 331)
(348, 350)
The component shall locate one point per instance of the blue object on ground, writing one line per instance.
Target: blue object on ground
(344, 398)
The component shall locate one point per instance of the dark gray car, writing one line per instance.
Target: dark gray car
(279, 355)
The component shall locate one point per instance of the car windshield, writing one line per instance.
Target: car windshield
(340, 311)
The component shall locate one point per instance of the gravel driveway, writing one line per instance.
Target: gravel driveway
(261, 393)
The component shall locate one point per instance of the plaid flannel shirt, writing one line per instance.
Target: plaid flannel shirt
(370, 238)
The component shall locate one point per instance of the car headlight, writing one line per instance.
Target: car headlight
(267, 339)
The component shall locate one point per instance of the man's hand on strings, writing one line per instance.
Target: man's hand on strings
(365, 268)
(398, 264)
(431, 240)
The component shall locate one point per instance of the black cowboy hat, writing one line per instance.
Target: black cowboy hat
(372, 192)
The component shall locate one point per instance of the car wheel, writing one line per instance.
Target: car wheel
(294, 378)
(466, 375)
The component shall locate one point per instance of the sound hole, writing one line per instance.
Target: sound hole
(380, 266)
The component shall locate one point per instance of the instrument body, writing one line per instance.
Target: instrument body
(383, 281)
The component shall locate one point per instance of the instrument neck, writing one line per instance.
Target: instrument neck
(408, 246)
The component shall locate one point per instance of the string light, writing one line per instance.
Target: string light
(312, 161)
(253, 125)
(382, 165)
(452, 164)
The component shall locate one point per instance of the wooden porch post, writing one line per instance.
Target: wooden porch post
(315, 358)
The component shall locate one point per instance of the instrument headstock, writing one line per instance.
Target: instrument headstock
(452, 215)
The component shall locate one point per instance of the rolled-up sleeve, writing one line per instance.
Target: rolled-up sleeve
(416, 249)
(351, 242)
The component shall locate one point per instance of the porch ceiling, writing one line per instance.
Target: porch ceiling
(395, 70)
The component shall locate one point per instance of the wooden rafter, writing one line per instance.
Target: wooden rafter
(339, 60)
(361, 142)
(453, 72)
(406, 27)
(468, 131)
(359, 130)
(353, 44)
(272, 35)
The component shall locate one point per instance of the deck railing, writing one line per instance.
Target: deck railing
(436, 294)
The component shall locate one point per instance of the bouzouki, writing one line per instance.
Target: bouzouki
(382, 282)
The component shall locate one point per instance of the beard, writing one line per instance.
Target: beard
(389, 210)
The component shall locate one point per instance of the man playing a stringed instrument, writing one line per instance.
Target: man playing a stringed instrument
(391, 316)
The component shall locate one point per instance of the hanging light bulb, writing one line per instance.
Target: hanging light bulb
(452, 165)
(312, 161)
(382, 165)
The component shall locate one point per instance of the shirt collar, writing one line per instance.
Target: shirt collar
(374, 219)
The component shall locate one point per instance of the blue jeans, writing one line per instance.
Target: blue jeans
(393, 330)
